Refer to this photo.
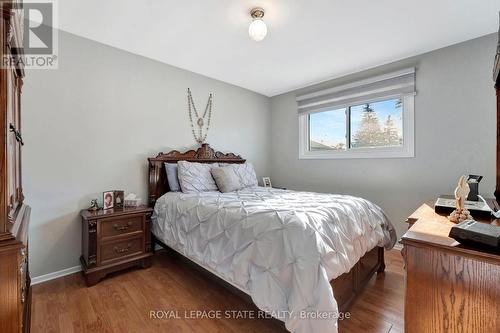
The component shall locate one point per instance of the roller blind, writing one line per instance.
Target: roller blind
(388, 85)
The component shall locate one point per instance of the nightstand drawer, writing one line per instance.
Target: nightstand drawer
(120, 249)
(121, 225)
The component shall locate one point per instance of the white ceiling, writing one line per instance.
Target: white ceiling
(307, 41)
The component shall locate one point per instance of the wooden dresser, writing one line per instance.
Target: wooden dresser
(115, 239)
(15, 295)
(449, 287)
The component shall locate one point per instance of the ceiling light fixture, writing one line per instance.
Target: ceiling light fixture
(257, 29)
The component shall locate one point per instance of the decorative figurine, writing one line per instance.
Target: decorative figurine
(93, 205)
(460, 214)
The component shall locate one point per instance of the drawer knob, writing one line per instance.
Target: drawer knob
(122, 227)
(123, 250)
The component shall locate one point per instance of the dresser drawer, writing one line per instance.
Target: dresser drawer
(120, 249)
(121, 225)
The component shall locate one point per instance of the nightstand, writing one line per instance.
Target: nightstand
(115, 239)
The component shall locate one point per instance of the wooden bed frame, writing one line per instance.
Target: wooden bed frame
(346, 287)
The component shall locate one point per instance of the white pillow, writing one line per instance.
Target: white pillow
(196, 177)
(245, 173)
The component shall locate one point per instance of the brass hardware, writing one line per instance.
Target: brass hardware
(257, 13)
(123, 250)
(124, 227)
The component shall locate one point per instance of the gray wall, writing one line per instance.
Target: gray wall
(90, 125)
(455, 130)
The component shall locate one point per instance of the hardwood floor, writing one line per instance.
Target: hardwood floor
(123, 301)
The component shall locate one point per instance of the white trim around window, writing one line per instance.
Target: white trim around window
(407, 150)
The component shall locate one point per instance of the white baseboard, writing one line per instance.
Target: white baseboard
(55, 275)
(64, 272)
(398, 246)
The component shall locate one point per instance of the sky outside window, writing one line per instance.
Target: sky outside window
(378, 124)
(327, 130)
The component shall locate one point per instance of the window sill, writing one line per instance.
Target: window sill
(357, 153)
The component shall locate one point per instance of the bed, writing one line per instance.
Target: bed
(287, 250)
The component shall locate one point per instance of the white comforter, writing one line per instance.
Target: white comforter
(282, 247)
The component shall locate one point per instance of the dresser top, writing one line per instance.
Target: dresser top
(431, 229)
(112, 212)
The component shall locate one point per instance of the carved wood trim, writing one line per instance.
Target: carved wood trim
(203, 154)
(158, 184)
(92, 247)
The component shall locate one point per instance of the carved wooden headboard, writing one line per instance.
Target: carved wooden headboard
(158, 184)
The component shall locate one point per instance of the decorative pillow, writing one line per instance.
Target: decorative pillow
(172, 177)
(196, 177)
(245, 173)
(226, 179)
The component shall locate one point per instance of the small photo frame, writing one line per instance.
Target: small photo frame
(119, 198)
(108, 199)
(267, 182)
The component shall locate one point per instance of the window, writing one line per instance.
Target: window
(378, 124)
(327, 130)
(381, 127)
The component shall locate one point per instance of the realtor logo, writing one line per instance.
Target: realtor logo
(37, 21)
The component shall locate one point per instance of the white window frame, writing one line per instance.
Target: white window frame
(407, 150)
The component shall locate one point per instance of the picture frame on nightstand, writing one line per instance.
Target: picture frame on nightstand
(108, 199)
(266, 181)
(119, 198)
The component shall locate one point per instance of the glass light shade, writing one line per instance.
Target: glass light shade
(257, 30)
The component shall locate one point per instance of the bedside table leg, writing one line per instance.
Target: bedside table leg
(381, 260)
(92, 279)
(146, 262)
(153, 243)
